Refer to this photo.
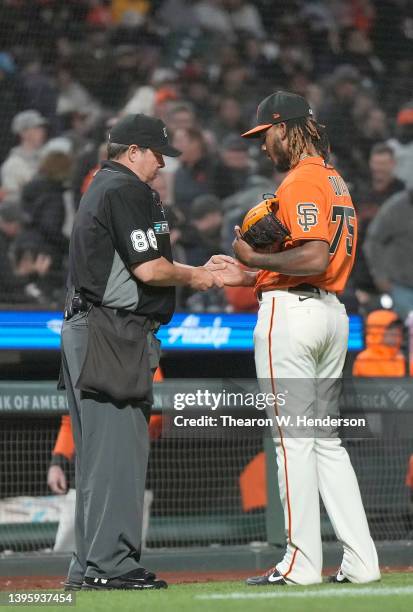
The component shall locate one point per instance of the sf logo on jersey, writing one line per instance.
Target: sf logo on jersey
(307, 215)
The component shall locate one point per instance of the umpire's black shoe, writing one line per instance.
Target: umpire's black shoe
(70, 585)
(272, 577)
(338, 578)
(134, 580)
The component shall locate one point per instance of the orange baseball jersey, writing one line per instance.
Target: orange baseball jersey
(315, 204)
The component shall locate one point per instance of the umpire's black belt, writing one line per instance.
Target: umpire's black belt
(79, 303)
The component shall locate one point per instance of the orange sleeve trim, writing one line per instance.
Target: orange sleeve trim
(409, 475)
(64, 442)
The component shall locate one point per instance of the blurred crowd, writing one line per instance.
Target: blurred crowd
(69, 69)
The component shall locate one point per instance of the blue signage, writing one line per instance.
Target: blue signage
(24, 330)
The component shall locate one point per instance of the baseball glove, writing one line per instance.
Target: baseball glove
(261, 228)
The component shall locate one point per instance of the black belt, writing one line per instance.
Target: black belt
(79, 303)
(305, 288)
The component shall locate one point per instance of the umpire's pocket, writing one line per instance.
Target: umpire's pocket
(79, 320)
(115, 365)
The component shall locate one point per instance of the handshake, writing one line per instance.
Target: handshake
(222, 270)
(218, 271)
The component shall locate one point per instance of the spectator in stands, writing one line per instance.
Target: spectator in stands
(232, 168)
(338, 114)
(383, 180)
(122, 75)
(245, 17)
(229, 118)
(23, 160)
(32, 262)
(403, 145)
(72, 95)
(44, 203)
(195, 174)
(180, 115)
(18, 269)
(12, 287)
(389, 251)
(197, 91)
(359, 52)
(212, 17)
(202, 236)
(76, 126)
(40, 86)
(382, 355)
(179, 15)
(155, 96)
(382, 185)
(13, 99)
(235, 83)
(373, 129)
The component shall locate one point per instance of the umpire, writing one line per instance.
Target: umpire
(120, 289)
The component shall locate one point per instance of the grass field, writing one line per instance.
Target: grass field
(393, 594)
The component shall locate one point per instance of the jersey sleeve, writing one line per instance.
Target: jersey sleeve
(129, 213)
(64, 442)
(303, 211)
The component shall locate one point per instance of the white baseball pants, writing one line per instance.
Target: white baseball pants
(305, 338)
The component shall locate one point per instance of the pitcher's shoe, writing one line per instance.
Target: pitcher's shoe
(272, 577)
(338, 578)
(135, 580)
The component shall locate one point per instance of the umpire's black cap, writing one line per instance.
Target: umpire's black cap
(276, 108)
(146, 132)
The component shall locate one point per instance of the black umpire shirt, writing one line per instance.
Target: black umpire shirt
(120, 222)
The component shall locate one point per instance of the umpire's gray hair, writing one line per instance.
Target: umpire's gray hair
(116, 150)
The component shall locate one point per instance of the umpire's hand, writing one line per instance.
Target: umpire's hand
(203, 279)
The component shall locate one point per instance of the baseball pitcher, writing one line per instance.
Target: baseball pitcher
(302, 241)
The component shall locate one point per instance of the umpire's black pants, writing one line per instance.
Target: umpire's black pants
(112, 446)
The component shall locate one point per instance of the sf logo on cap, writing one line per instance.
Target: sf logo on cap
(307, 215)
(165, 133)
